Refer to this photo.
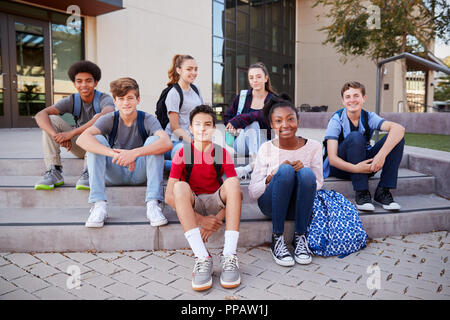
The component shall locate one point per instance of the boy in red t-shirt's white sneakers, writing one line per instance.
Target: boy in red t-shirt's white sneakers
(202, 200)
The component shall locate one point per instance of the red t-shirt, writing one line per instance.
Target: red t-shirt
(203, 177)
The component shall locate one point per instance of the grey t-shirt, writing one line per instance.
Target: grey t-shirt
(87, 110)
(127, 137)
(190, 100)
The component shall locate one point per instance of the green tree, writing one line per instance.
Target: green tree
(398, 26)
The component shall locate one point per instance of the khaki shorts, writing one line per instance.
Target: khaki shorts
(207, 204)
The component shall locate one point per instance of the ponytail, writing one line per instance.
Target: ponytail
(177, 62)
(282, 100)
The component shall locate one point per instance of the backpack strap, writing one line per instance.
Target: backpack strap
(340, 138)
(180, 92)
(195, 89)
(96, 102)
(113, 133)
(365, 122)
(242, 98)
(76, 105)
(218, 162)
(141, 127)
(188, 152)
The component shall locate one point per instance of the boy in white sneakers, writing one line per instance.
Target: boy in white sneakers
(125, 147)
(202, 199)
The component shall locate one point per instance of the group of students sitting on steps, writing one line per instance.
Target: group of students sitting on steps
(131, 147)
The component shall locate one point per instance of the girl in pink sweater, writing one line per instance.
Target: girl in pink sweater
(287, 173)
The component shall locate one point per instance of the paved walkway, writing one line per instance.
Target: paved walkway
(409, 267)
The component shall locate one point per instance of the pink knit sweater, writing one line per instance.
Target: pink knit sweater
(270, 157)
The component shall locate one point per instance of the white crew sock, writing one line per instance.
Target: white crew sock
(100, 203)
(231, 240)
(194, 238)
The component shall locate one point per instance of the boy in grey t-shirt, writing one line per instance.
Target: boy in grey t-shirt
(119, 153)
(56, 132)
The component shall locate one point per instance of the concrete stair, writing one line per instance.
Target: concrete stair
(48, 221)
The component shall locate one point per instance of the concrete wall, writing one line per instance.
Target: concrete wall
(320, 74)
(140, 41)
(433, 123)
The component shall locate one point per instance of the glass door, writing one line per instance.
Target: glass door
(5, 110)
(29, 65)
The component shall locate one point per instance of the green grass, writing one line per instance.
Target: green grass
(430, 141)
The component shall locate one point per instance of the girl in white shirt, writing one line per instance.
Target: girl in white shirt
(287, 173)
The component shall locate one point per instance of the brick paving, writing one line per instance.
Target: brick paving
(407, 267)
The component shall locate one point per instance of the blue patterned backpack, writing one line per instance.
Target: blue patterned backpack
(336, 228)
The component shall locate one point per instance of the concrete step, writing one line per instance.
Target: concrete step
(18, 191)
(73, 166)
(62, 229)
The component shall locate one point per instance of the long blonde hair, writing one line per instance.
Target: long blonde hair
(177, 62)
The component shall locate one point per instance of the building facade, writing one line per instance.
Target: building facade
(40, 39)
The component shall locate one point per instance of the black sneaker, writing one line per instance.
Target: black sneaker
(302, 253)
(364, 201)
(384, 197)
(280, 251)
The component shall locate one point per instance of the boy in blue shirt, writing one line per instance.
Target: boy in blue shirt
(350, 155)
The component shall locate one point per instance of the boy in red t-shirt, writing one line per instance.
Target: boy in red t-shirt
(204, 201)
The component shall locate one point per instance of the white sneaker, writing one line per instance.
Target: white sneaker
(154, 214)
(98, 215)
(243, 173)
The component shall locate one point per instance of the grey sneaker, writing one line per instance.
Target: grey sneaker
(202, 274)
(230, 277)
(52, 178)
(83, 182)
(302, 253)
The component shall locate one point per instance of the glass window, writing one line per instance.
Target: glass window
(67, 49)
(218, 49)
(257, 39)
(218, 19)
(230, 30)
(243, 6)
(217, 83)
(242, 56)
(242, 27)
(231, 10)
(256, 17)
(2, 112)
(255, 30)
(230, 71)
(30, 68)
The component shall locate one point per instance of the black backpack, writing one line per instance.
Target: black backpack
(161, 108)
(140, 124)
(365, 122)
(188, 152)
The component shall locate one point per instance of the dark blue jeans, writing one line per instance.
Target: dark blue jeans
(289, 195)
(353, 150)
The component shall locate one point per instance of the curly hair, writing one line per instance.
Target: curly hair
(84, 66)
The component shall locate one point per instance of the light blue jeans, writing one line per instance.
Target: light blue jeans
(102, 171)
(168, 156)
(249, 140)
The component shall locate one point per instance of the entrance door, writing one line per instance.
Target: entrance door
(26, 74)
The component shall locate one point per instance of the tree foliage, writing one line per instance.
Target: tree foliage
(404, 26)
